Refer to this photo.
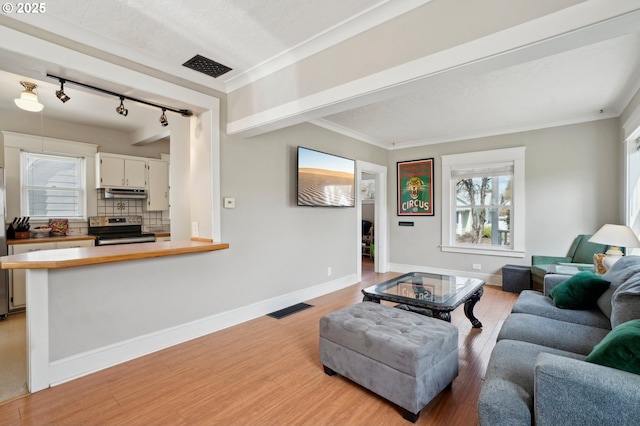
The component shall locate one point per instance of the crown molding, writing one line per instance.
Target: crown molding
(504, 131)
(336, 128)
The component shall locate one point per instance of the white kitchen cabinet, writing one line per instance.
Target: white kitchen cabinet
(158, 185)
(120, 171)
(159, 239)
(75, 244)
(17, 277)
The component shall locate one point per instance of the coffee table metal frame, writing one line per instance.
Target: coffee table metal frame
(467, 291)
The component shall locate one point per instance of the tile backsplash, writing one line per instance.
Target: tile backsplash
(155, 221)
(151, 220)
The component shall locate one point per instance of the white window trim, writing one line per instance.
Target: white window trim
(484, 159)
(81, 191)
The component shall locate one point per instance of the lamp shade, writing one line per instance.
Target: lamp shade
(28, 99)
(616, 235)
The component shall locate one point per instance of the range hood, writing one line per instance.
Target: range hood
(124, 193)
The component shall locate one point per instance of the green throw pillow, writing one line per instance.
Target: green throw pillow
(620, 349)
(581, 291)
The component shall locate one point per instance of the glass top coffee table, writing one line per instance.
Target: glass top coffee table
(429, 294)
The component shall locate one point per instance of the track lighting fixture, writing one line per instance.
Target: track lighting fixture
(121, 109)
(163, 119)
(60, 93)
(28, 99)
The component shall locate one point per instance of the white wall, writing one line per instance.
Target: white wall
(368, 211)
(573, 186)
(277, 247)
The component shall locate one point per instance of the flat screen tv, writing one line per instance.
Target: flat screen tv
(325, 180)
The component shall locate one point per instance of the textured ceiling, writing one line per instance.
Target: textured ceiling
(247, 35)
(240, 34)
(562, 88)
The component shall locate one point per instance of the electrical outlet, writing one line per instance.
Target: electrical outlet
(329, 271)
(477, 266)
(229, 203)
(194, 229)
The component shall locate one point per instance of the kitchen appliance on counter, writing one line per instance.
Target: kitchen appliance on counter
(4, 274)
(110, 230)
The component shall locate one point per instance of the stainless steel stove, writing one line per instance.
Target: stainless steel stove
(110, 230)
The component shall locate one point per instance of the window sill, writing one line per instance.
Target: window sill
(502, 252)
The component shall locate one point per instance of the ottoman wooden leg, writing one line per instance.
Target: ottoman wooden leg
(328, 371)
(408, 415)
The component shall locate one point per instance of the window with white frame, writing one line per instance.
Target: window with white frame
(483, 202)
(52, 186)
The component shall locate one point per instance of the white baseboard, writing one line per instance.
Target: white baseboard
(492, 279)
(76, 366)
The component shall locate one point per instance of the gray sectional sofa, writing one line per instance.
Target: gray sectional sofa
(537, 373)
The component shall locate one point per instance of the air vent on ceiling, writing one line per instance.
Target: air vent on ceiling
(206, 66)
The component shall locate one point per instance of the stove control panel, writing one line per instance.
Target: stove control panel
(95, 221)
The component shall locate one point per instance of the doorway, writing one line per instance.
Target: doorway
(372, 177)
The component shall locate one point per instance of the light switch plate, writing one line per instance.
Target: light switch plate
(229, 203)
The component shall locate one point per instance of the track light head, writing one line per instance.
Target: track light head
(120, 109)
(60, 93)
(163, 119)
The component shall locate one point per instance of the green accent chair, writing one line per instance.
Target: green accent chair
(580, 255)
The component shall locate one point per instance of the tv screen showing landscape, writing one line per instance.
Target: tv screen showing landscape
(325, 180)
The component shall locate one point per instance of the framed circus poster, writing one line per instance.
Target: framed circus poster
(415, 188)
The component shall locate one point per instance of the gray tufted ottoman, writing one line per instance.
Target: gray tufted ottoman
(402, 356)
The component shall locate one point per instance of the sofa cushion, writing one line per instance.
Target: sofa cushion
(506, 396)
(625, 303)
(581, 291)
(620, 349)
(535, 303)
(552, 333)
(621, 271)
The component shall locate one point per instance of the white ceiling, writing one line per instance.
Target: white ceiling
(251, 36)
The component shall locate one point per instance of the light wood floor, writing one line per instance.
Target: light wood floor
(13, 356)
(262, 372)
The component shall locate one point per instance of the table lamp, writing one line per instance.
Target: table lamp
(614, 236)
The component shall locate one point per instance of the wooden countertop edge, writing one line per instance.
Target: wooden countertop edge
(202, 240)
(67, 258)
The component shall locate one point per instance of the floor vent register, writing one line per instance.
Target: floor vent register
(289, 310)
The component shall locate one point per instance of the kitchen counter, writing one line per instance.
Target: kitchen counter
(66, 258)
(89, 308)
(52, 239)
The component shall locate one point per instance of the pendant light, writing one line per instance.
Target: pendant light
(28, 99)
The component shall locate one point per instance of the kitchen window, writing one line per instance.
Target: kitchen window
(52, 186)
(483, 202)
